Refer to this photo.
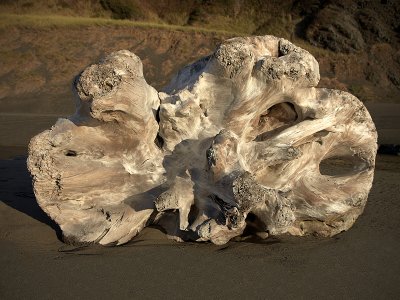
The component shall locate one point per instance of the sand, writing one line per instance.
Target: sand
(361, 263)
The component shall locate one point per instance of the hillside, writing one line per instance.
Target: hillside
(45, 44)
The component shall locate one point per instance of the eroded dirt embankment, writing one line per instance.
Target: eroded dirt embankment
(37, 65)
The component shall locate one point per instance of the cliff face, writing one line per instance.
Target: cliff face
(364, 32)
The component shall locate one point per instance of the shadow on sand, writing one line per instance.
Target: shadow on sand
(16, 191)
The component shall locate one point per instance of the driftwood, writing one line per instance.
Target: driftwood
(238, 139)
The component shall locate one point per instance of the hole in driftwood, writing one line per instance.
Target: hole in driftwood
(71, 153)
(254, 225)
(159, 141)
(341, 166)
(278, 117)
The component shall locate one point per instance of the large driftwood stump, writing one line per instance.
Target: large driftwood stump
(238, 138)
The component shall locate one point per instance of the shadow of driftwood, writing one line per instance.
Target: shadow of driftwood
(16, 191)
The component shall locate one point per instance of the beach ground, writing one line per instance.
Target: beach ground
(361, 263)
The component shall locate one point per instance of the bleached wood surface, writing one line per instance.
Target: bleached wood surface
(236, 139)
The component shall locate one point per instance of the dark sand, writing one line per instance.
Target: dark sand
(361, 263)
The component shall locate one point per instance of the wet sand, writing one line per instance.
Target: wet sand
(17, 128)
(386, 117)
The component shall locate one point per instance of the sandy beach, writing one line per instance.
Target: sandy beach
(363, 262)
